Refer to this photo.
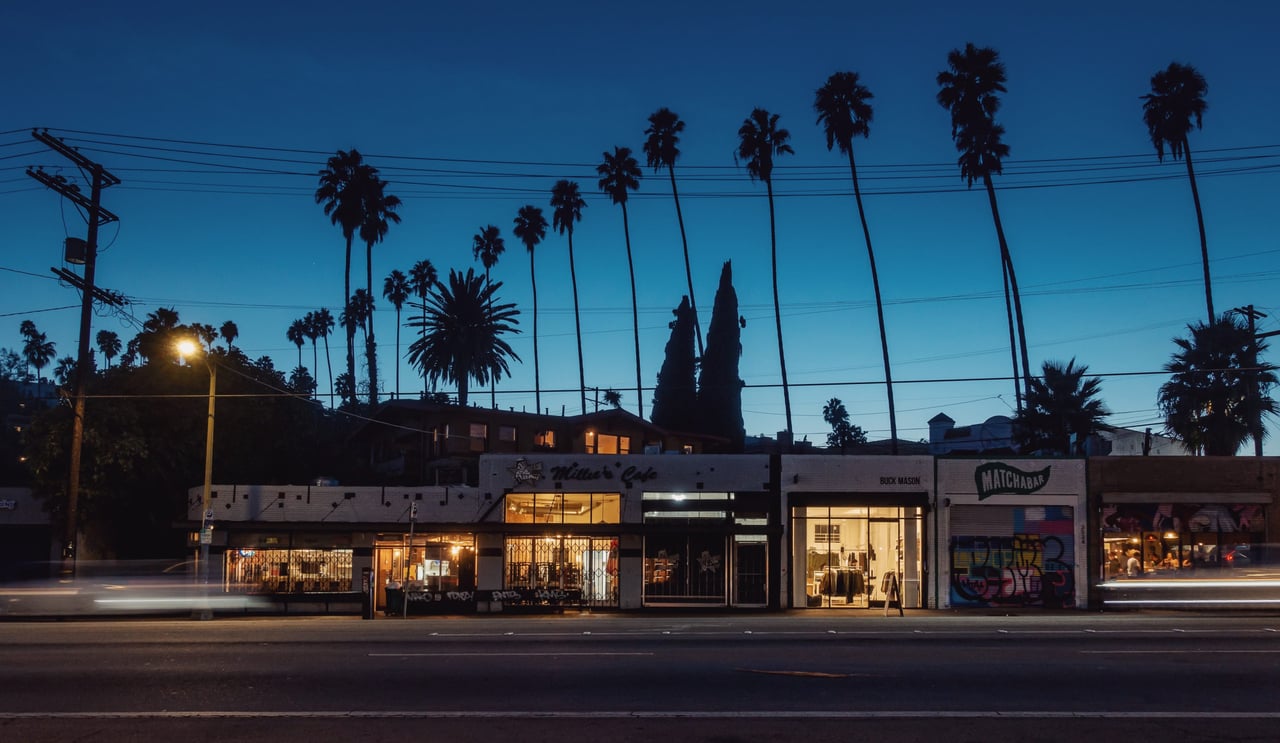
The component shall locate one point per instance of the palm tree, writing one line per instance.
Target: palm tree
(759, 142)
(530, 228)
(339, 192)
(462, 334)
(229, 332)
(1177, 97)
(619, 175)
(1218, 391)
(422, 279)
(968, 90)
(108, 345)
(613, 398)
(566, 208)
(38, 351)
(297, 335)
(844, 111)
(395, 288)
(486, 246)
(661, 150)
(324, 326)
(312, 331)
(379, 214)
(1061, 411)
(65, 370)
(30, 334)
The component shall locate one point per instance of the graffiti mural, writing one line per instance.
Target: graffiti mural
(1018, 570)
(1184, 517)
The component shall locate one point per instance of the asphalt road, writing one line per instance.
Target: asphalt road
(631, 678)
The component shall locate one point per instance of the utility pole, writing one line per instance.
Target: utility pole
(96, 216)
(1255, 390)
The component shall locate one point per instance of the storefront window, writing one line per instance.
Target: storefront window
(432, 564)
(1177, 540)
(848, 556)
(565, 570)
(251, 570)
(563, 508)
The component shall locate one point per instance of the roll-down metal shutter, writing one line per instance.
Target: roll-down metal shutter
(1012, 555)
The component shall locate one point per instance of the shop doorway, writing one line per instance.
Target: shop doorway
(849, 556)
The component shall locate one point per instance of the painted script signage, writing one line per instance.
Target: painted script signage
(998, 478)
(8, 504)
(584, 473)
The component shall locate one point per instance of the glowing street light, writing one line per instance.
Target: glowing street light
(189, 349)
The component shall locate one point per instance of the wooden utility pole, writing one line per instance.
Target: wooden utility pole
(96, 216)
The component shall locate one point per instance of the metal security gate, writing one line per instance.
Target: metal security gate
(1012, 556)
(750, 572)
(577, 571)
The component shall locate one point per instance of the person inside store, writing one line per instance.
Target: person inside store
(1133, 567)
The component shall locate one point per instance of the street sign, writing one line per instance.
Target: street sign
(206, 535)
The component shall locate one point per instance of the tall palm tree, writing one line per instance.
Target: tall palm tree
(619, 175)
(566, 208)
(530, 228)
(844, 111)
(395, 288)
(422, 279)
(108, 345)
(38, 351)
(323, 327)
(297, 335)
(379, 214)
(1061, 412)
(1176, 98)
(1218, 390)
(759, 142)
(312, 331)
(229, 332)
(462, 334)
(64, 372)
(349, 318)
(339, 193)
(661, 150)
(968, 90)
(30, 334)
(487, 246)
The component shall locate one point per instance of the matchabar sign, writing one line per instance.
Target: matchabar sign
(1010, 480)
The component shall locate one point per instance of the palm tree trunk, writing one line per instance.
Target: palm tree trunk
(1204, 244)
(577, 324)
(777, 313)
(328, 361)
(875, 283)
(315, 360)
(348, 327)
(493, 378)
(370, 344)
(537, 383)
(423, 333)
(396, 394)
(1013, 338)
(688, 272)
(1013, 285)
(635, 312)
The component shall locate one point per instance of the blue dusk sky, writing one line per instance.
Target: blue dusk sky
(218, 117)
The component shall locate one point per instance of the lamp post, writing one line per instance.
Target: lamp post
(188, 348)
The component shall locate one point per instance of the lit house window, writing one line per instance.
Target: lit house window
(545, 439)
(479, 436)
(606, 443)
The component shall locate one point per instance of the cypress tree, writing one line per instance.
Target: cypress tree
(675, 398)
(720, 387)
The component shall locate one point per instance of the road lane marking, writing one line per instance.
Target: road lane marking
(803, 674)
(1177, 652)
(488, 655)
(1165, 715)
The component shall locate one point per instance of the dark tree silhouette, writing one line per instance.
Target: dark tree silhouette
(108, 345)
(566, 209)
(844, 434)
(530, 228)
(719, 386)
(968, 90)
(675, 397)
(323, 327)
(1061, 412)
(340, 194)
(487, 246)
(844, 111)
(395, 288)
(422, 279)
(619, 175)
(1219, 388)
(661, 150)
(1176, 99)
(759, 142)
(297, 335)
(379, 214)
(463, 333)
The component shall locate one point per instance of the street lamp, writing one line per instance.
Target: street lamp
(188, 348)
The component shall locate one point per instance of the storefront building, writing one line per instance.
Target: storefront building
(1012, 533)
(27, 544)
(632, 531)
(856, 530)
(1185, 532)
